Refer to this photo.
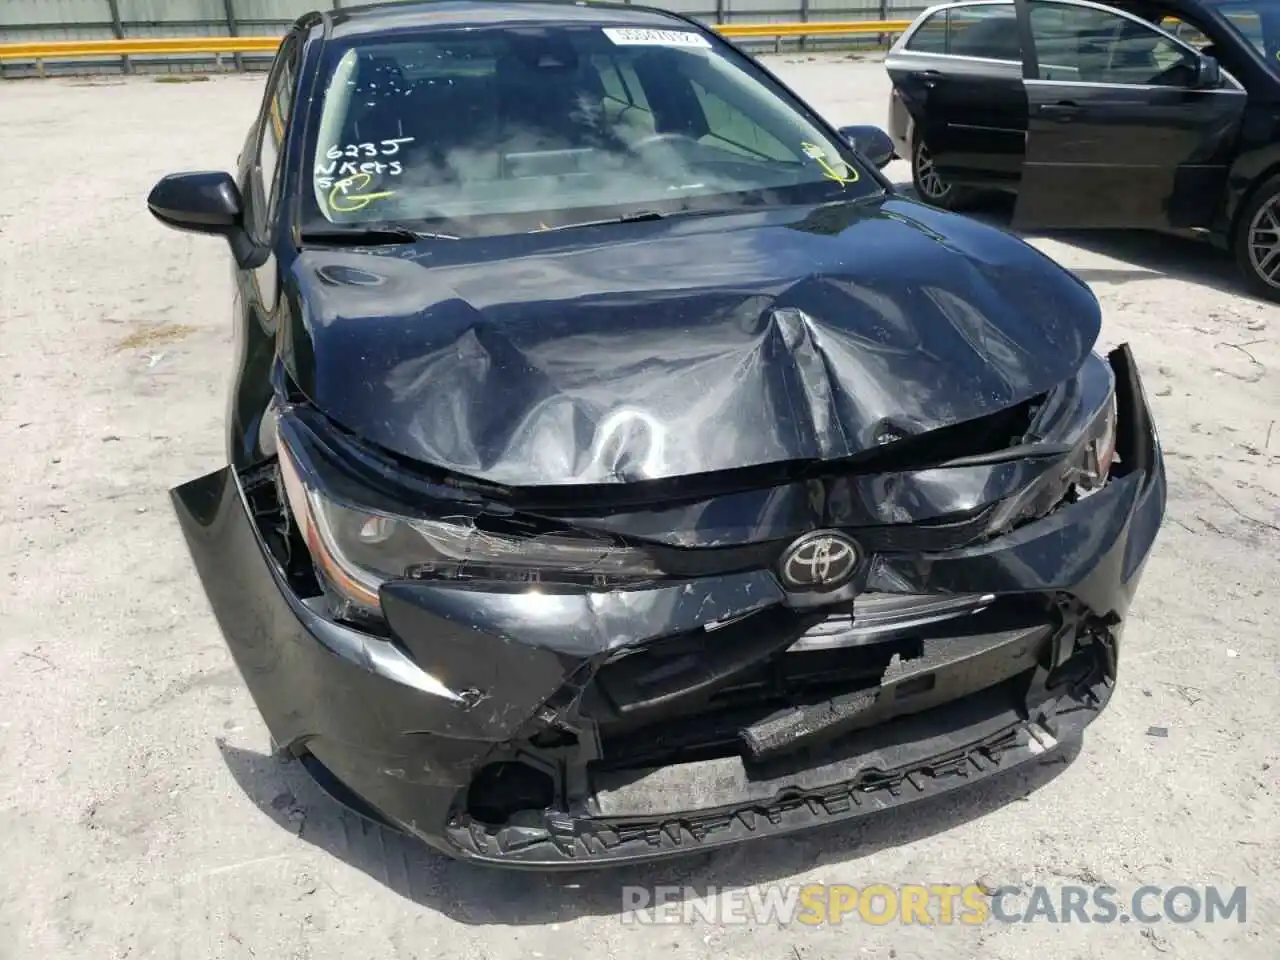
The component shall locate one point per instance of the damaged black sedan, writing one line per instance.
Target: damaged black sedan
(619, 467)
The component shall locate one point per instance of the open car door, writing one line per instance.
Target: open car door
(959, 75)
(1127, 126)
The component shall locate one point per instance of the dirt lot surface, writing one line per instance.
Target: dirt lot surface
(140, 813)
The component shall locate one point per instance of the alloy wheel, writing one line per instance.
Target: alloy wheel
(928, 181)
(1264, 242)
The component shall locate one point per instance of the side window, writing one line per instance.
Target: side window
(1100, 46)
(988, 30)
(635, 89)
(1185, 32)
(611, 80)
(930, 36)
(624, 102)
(1227, 54)
(271, 137)
(730, 128)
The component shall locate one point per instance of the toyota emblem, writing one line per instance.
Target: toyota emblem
(819, 561)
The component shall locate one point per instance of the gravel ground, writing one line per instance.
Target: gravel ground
(140, 812)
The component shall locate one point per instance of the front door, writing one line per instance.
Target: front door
(959, 75)
(1122, 129)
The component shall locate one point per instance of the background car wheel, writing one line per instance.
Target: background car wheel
(929, 184)
(1257, 241)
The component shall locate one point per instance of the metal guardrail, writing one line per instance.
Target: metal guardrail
(148, 46)
(216, 46)
(813, 28)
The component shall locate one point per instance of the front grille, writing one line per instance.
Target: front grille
(711, 726)
(691, 697)
(876, 617)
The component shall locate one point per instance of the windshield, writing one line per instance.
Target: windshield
(520, 128)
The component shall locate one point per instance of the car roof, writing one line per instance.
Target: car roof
(390, 18)
(1128, 6)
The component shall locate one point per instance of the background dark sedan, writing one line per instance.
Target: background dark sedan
(1096, 117)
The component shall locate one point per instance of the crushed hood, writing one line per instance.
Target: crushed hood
(698, 344)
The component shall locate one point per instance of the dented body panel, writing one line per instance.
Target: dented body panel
(644, 351)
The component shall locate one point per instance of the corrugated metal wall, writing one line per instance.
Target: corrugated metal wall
(54, 20)
(35, 20)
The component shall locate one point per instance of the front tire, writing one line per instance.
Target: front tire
(930, 185)
(1256, 243)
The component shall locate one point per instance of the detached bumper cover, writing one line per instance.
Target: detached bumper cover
(469, 676)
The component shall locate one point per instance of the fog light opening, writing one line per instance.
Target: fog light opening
(501, 790)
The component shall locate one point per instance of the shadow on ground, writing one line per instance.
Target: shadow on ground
(1142, 254)
(485, 895)
(1155, 255)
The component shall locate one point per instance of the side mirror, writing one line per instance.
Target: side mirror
(1208, 73)
(872, 143)
(197, 202)
(205, 202)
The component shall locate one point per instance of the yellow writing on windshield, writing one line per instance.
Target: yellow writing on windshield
(815, 153)
(347, 196)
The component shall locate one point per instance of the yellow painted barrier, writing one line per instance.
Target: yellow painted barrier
(140, 47)
(177, 46)
(814, 28)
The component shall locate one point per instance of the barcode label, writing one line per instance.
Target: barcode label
(629, 36)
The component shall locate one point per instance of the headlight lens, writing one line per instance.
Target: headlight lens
(1084, 473)
(1100, 451)
(357, 550)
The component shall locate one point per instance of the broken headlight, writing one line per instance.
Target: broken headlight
(356, 550)
(1094, 466)
(1083, 472)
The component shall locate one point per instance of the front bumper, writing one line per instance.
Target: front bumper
(508, 695)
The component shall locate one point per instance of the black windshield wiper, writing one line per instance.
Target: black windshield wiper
(638, 217)
(372, 235)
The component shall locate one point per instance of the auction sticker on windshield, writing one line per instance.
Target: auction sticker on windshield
(630, 36)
